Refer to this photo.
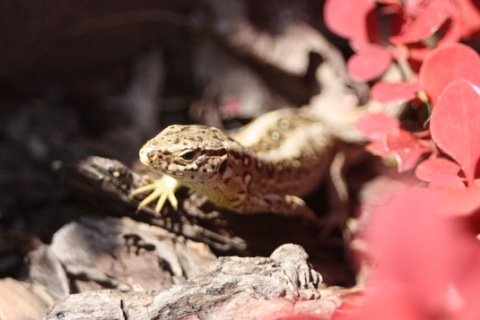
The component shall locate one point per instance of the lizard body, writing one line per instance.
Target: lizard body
(265, 167)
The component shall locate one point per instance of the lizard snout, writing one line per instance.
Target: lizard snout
(147, 155)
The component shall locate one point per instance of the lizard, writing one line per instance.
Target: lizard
(267, 166)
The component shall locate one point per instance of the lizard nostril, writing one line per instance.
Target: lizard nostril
(146, 155)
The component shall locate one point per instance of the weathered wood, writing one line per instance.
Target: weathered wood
(235, 288)
(122, 253)
(21, 300)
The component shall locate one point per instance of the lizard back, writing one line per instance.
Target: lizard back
(294, 147)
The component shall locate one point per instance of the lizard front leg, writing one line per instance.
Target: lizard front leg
(162, 189)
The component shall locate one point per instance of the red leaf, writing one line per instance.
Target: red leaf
(428, 19)
(445, 181)
(403, 145)
(300, 317)
(433, 167)
(397, 3)
(470, 14)
(406, 148)
(426, 260)
(418, 53)
(446, 64)
(378, 148)
(369, 64)
(374, 125)
(440, 173)
(455, 126)
(348, 18)
(399, 92)
(457, 202)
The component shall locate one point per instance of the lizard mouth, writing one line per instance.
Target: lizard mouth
(174, 173)
(172, 170)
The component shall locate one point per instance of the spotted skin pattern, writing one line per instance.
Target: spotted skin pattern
(265, 167)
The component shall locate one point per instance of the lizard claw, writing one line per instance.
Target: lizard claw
(162, 189)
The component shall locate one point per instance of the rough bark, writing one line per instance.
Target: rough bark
(234, 288)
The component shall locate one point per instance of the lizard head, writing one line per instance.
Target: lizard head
(187, 152)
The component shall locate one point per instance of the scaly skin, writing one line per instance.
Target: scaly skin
(266, 167)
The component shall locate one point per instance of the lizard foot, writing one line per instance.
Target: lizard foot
(162, 189)
(298, 207)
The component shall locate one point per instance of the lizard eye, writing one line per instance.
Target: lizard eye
(188, 155)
